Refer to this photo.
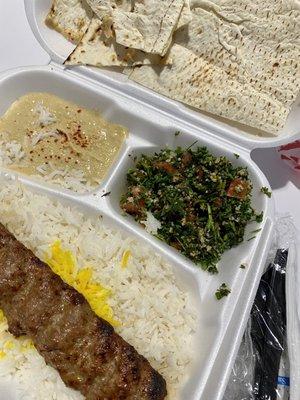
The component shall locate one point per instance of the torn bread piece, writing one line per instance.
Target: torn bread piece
(150, 26)
(186, 15)
(99, 48)
(198, 83)
(253, 49)
(249, 42)
(71, 18)
(104, 8)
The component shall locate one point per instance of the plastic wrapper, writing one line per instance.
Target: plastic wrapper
(290, 154)
(267, 366)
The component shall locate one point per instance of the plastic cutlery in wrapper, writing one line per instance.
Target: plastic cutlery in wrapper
(268, 363)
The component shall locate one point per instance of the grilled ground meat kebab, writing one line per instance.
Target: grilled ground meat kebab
(85, 350)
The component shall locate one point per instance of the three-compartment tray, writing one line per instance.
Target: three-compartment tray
(152, 121)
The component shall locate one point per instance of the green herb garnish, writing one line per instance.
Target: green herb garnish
(203, 202)
(242, 266)
(193, 144)
(237, 156)
(223, 291)
(177, 133)
(259, 217)
(256, 230)
(106, 194)
(266, 191)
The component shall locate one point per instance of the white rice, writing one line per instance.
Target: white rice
(45, 116)
(72, 179)
(39, 136)
(158, 317)
(151, 223)
(12, 153)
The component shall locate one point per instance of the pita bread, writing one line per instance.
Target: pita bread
(246, 50)
(103, 8)
(69, 17)
(150, 26)
(100, 49)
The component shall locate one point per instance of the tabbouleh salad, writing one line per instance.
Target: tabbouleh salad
(200, 203)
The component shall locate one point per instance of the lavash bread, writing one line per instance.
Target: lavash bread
(150, 26)
(235, 59)
(103, 8)
(69, 17)
(99, 48)
(186, 15)
(250, 42)
(196, 82)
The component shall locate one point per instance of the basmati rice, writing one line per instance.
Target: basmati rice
(12, 153)
(45, 116)
(158, 317)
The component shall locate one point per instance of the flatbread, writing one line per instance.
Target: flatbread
(98, 48)
(196, 82)
(104, 8)
(250, 50)
(150, 26)
(71, 18)
(249, 42)
(186, 15)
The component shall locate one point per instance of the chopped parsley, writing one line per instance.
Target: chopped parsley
(177, 133)
(259, 217)
(256, 230)
(202, 202)
(243, 266)
(106, 194)
(237, 156)
(266, 191)
(223, 291)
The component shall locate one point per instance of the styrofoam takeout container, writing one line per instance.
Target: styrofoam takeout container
(152, 121)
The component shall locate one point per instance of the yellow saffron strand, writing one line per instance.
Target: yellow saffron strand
(125, 258)
(63, 263)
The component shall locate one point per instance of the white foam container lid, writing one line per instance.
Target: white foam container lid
(152, 121)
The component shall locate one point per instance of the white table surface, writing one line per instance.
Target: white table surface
(18, 47)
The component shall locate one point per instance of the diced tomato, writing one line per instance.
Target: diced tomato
(165, 166)
(191, 217)
(176, 245)
(141, 203)
(218, 202)
(238, 188)
(200, 173)
(131, 208)
(186, 158)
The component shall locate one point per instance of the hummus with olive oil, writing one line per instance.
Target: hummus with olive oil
(60, 134)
